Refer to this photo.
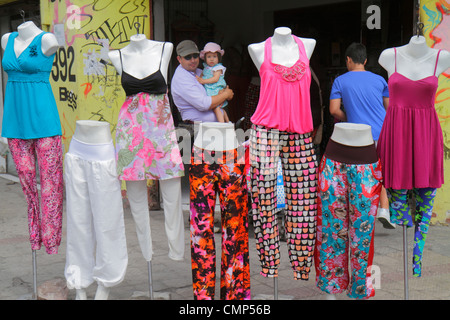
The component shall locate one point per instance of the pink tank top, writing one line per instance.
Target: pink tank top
(284, 101)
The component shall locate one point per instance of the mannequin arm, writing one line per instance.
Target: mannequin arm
(336, 111)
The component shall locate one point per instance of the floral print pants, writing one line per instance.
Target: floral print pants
(348, 202)
(45, 227)
(299, 167)
(212, 173)
(401, 215)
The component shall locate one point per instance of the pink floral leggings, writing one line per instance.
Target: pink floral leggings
(46, 227)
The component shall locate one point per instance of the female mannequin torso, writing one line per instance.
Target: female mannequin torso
(27, 32)
(284, 48)
(142, 57)
(414, 60)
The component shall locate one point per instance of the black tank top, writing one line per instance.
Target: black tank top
(153, 84)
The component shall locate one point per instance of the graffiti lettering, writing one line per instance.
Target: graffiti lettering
(73, 12)
(69, 96)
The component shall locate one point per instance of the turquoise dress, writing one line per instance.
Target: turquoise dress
(212, 89)
(30, 110)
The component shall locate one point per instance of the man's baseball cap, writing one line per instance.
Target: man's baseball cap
(186, 47)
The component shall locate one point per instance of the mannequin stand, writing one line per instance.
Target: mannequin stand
(405, 262)
(150, 281)
(34, 274)
(275, 288)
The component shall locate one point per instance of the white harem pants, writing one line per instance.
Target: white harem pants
(96, 242)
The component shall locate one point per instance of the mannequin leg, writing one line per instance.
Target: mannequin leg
(235, 269)
(137, 196)
(81, 294)
(173, 213)
(23, 154)
(424, 209)
(264, 153)
(102, 293)
(300, 181)
(50, 162)
(203, 252)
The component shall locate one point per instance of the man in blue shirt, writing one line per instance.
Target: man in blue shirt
(365, 97)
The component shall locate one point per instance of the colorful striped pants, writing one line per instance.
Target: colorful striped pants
(348, 202)
(45, 216)
(401, 215)
(223, 173)
(300, 182)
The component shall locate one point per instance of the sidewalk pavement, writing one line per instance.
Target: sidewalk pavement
(172, 280)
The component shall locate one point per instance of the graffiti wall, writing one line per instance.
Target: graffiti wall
(435, 14)
(85, 84)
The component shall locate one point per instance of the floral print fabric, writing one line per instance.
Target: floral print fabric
(45, 216)
(146, 143)
(400, 214)
(212, 173)
(348, 203)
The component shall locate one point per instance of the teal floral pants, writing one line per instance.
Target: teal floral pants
(401, 215)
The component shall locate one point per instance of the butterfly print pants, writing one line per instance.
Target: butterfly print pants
(299, 165)
(220, 173)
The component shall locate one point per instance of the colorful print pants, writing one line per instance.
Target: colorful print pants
(45, 227)
(348, 202)
(401, 215)
(300, 183)
(225, 175)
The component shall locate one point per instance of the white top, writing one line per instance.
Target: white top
(352, 134)
(92, 132)
(415, 60)
(216, 136)
(285, 50)
(27, 31)
(142, 57)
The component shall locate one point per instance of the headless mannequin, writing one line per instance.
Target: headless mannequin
(93, 132)
(415, 60)
(27, 32)
(140, 58)
(284, 48)
(355, 135)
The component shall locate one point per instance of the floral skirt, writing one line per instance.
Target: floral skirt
(146, 143)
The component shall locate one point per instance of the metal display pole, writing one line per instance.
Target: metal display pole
(405, 262)
(150, 281)
(34, 274)
(275, 293)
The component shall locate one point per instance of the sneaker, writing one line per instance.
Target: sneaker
(384, 217)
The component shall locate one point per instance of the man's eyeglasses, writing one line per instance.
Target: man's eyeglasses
(190, 56)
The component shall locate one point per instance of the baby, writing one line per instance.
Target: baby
(213, 76)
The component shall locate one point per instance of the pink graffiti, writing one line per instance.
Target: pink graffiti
(441, 34)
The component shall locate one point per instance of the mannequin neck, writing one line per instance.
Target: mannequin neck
(282, 36)
(138, 43)
(417, 47)
(28, 30)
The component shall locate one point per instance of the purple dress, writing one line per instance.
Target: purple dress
(411, 142)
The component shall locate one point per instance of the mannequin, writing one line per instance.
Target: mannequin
(32, 126)
(349, 189)
(218, 167)
(96, 244)
(411, 120)
(141, 65)
(281, 127)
